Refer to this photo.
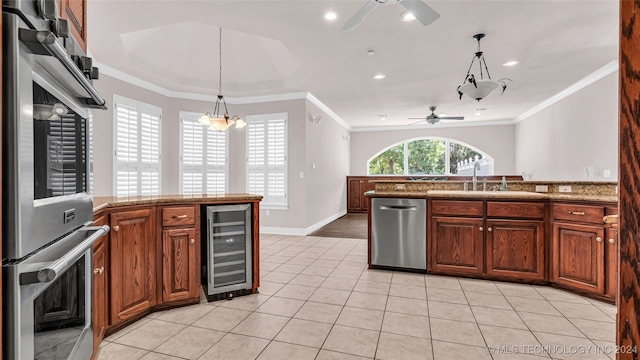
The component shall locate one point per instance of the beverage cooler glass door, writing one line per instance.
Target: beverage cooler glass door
(229, 244)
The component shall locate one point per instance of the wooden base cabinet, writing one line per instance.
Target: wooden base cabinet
(100, 285)
(132, 263)
(611, 235)
(457, 245)
(515, 248)
(578, 256)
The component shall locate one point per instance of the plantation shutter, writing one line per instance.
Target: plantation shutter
(203, 157)
(137, 155)
(62, 180)
(267, 158)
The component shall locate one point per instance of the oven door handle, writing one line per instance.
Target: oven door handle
(50, 272)
(46, 39)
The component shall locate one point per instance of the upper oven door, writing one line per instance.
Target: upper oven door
(46, 150)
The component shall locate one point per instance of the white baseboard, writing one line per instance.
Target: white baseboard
(300, 231)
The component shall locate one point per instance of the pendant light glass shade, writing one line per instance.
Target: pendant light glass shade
(477, 87)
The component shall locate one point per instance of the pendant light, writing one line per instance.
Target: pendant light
(478, 88)
(216, 120)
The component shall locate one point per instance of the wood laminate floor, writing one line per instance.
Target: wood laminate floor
(350, 226)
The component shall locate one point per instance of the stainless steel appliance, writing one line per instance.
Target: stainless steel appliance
(47, 202)
(399, 233)
(227, 256)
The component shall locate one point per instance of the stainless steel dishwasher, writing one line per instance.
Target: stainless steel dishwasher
(399, 233)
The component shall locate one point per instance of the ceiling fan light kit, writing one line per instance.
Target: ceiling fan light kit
(475, 88)
(434, 119)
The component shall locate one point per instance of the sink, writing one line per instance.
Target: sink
(490, 194)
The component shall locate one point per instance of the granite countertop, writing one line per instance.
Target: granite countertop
(104, 202)
(493, 195)
(523, 182)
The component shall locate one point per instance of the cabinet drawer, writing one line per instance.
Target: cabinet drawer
(178, 215)
(576, 212)
(515, 210)
(457, 208)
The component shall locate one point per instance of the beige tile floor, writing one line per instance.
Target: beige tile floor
(318, 300)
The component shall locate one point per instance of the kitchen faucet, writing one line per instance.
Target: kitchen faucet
(476, 166)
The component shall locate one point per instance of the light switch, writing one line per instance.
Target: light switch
(565, 189)
(542, 188)
(606, 173)
(301, 175)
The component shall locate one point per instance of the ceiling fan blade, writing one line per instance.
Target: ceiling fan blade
(451, 117)
(423, 12)
(417, 118)
(359, 17)
(417, 122)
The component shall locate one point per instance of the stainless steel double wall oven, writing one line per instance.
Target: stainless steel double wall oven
(47, 202)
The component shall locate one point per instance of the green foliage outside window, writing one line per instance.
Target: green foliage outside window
(424, 157)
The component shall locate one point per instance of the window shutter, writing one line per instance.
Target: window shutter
(203, 157)
(63, 135)
(137, 157)
(267, 158)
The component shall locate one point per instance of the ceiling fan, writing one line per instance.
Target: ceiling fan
(422, 12)
(434, 119)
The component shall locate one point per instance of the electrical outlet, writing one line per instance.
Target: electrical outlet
(266, 212)
(542, 188)
(606, 173)
(399, 187)
(301, 175)
(564, 188)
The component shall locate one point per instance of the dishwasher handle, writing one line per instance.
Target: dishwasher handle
(398, 207)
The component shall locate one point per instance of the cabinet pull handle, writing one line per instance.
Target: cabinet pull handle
(611, 241)
(577, 213)
(99, 270)
(481, 228)
(489, 229)
(598, 239)
(116, 228)
(192, 241)
(180, 216)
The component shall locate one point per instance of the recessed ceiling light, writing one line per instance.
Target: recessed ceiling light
(379, 76)
(478, 113)
(330, 15)
(382, 117)
(443, 114)
(511, 63)
(407, 16)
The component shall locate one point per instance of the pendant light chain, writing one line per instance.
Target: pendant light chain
(220, 63)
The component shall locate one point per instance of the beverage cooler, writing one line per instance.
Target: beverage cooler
(227, 257)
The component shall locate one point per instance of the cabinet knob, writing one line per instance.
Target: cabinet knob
(192, 241)
(116, 228)
(99, 270)
(611, 241)
(598, 239)
(489, 229)
(481, 228)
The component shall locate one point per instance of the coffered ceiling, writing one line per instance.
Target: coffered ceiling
(275, 47)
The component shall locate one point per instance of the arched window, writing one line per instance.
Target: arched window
(430, 156)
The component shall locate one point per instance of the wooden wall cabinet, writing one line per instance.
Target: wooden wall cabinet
(100, 284)
(180, 253)
(132, 263)
(75, 12)
(578, 258)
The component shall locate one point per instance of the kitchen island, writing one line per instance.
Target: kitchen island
(151, 260)
(553, 238)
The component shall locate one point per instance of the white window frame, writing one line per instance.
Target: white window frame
(447, 164)
(141, 108)
(281, 203)
(189, 116)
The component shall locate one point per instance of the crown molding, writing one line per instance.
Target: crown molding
(608, 69)
(433, 127)
(302, 95)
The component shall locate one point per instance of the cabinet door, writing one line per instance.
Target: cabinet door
(515, 248)
(457, 244)
(611, 234)
(578, 256)
(354, 196)
(180, 264)
(132, 263)
(75, 12)
(365, 186)
(100, 285)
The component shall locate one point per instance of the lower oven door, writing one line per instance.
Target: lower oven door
(49, 300)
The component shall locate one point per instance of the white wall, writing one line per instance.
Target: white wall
(497, 141)
(581, 130)
(308, 145)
